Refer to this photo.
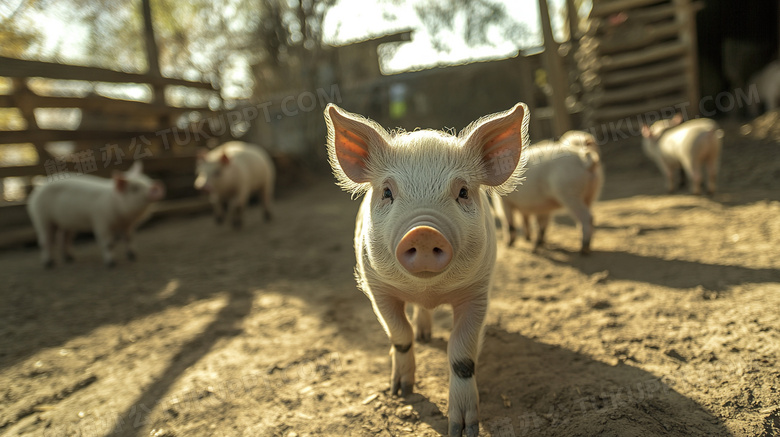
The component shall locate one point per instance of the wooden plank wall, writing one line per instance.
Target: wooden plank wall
(639, 56)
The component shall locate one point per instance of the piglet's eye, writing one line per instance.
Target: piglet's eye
(464, 193)
(387, 194)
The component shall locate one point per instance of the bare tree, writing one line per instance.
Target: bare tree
(478, 17)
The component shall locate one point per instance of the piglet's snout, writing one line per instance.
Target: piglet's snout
(424, 251)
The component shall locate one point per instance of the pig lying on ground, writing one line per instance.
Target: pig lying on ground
(425, 235)
(231, 173)
(559, 174)
(767, 82)
(691, 145)
(110, 208)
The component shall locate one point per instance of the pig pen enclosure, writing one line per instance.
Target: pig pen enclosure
(671, 327)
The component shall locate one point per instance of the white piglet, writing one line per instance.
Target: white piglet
(425, 235)
(230, 173)
(692, 146)
(578, 138)
(110, 208)
(559, 174)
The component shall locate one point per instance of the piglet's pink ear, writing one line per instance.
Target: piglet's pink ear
(500, 139)
(120, 181)
(645, 131)
(224, 159)
(677, 119)
(136, 169)
(351, 140)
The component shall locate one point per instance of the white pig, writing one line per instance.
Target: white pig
(559, 174)
(424, 233)
(230, 173)
(577, 138)
(691, 146)
(767, 83)
(110, 208)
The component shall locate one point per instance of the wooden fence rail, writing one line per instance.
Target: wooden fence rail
(105, 122)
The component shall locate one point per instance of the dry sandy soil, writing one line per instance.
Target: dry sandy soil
(671, 327)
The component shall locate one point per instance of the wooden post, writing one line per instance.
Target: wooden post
(685, 16)
(152, 54)
(153, 60)
(23, 99)
(527, 85)
(574, 25)
(555, 74)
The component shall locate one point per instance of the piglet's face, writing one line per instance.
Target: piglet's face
(135, 190)
(426, 189)
(211, 174)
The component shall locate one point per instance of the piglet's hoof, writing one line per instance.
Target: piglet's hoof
(457, 429)
(423, 336)
(404, 388)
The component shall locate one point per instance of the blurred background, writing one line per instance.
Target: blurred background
(96, 84)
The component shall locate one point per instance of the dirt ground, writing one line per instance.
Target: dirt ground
(671, 327)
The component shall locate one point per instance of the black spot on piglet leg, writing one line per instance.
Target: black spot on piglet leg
(402, 348)
(463, 368)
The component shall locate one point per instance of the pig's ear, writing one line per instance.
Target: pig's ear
(120, 181)
(224, 159)
(646, 131)
(351, 141)
(136, 169)
(677, 119)
(501, 139)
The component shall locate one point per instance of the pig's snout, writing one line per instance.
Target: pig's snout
(202, 184)
(424, 251)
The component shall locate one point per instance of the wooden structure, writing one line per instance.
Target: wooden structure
(112, 132)
(639, 56)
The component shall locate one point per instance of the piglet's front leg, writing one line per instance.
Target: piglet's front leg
(390, 311)
(463, 351)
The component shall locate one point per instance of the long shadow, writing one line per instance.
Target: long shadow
(54, 306)
(225, 325)
(672, 273)
(567, 220)
(41, 308)
(532, 388)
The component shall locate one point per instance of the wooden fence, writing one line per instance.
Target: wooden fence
(639, 56)
(112, 132)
